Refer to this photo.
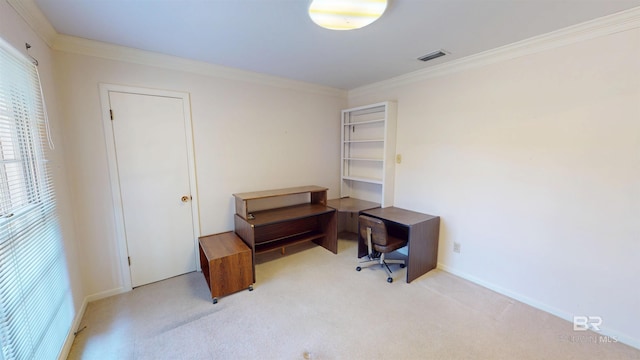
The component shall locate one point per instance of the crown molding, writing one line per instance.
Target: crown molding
(622, 21)
(76, 45)
(607, 25)
(32, 15)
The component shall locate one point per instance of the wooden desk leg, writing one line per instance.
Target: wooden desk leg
(422, 248)
(329, 225)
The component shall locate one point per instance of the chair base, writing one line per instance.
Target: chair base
(383, 263)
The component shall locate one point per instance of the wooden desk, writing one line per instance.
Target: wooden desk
(350, 206)
(276, 228)
(422, 232)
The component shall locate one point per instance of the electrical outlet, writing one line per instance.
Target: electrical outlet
(456, 247)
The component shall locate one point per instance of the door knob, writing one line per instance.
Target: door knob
(185, 198)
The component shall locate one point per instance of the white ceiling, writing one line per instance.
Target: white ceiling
(277, 37)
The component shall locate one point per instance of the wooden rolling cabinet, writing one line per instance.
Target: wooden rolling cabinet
(227, 264)
(276, 228)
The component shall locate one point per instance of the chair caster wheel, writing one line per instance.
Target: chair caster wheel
(215, 300)
(250, 287)
(358, 268)
(389, 280)
(402, 266)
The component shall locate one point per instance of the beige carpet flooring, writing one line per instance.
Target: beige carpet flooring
(312, 304)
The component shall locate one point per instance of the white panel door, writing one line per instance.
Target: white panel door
(153, 173)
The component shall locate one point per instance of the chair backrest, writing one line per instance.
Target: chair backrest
(378, 229)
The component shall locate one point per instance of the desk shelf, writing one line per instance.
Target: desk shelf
(318, 195)
(277, 244)
(286, 214)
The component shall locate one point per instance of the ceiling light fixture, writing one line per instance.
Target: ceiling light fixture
(346, 14)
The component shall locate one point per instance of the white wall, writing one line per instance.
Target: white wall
(533, 165)
(249, 135)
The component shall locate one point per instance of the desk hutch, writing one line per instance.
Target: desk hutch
(275, 228)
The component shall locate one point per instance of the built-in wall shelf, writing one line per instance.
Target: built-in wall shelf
(368, 153)
(363, 159)
(365, 122)
(364, 141)
(363, 179)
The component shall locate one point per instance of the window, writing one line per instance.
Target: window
(35, 300)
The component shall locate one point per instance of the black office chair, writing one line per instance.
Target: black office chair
(379, 242)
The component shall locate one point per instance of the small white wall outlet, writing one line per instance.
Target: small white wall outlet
(456, 247)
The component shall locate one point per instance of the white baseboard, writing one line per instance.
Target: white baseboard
(105, 294)
(635, 343)
(64, 352)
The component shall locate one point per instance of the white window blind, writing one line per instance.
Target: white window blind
(35, 299)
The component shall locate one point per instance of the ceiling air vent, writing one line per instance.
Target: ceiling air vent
(432, 55)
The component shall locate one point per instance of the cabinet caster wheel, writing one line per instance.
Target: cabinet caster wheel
(215, 300)
(358, 268)
(402, 266)
(250, 287)
(389, 280)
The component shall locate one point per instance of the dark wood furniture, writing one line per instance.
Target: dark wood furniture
(422, 232)
(318, 195)
(348, 210)
(275, 228)
(226, 263)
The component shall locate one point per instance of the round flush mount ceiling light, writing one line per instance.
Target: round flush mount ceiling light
(346, 14)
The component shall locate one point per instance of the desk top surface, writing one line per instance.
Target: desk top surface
(348, 204)
(287, 213)
(398, 215)
(220, 245)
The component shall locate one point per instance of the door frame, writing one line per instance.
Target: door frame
(120, 234)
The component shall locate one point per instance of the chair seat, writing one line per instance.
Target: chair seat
(393, 244)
